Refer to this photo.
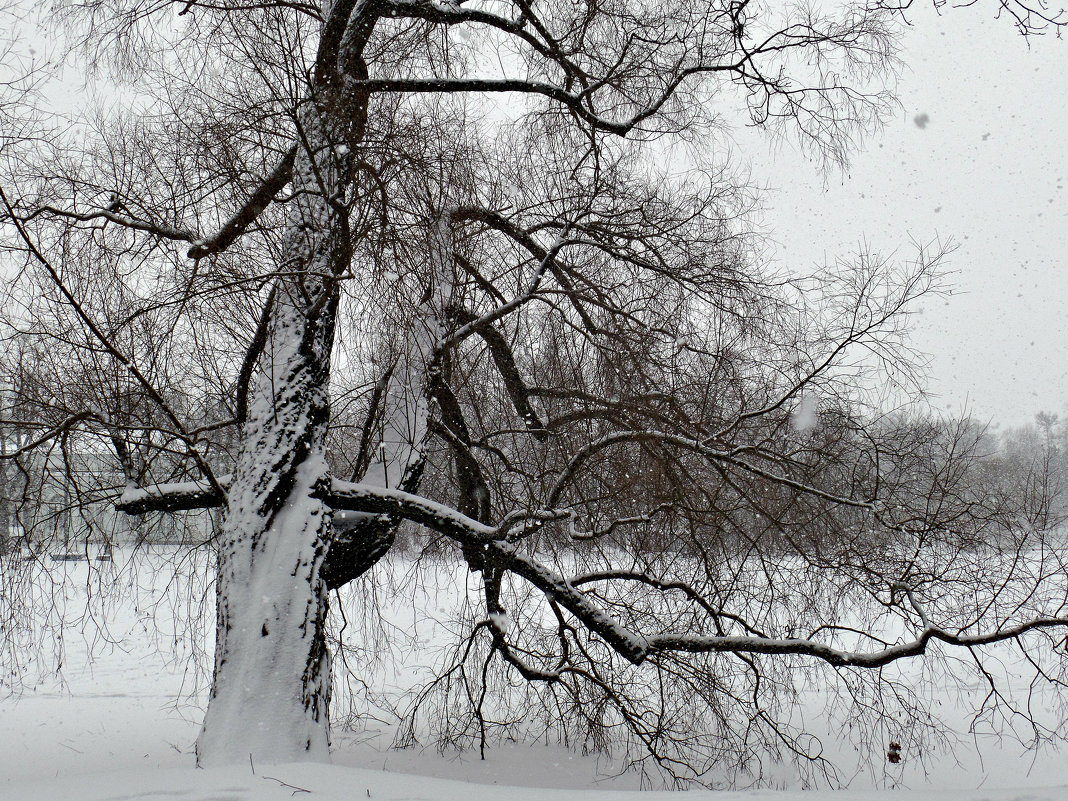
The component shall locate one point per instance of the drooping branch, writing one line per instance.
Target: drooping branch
(374, 414)
(689, 643)
(634, 646)
(732, 457)
(504, 359)
(637, 647)
(1030, 18)
(110, 346)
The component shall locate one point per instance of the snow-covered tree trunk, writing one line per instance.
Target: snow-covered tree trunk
(271, 686)
(271, 691)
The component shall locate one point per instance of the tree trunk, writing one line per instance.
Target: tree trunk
(272, 676)
(271, 688)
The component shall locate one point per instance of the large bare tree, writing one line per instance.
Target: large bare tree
(339, 267)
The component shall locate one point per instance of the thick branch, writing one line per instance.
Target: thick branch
(633, 646)
(175, 497)
(257, 202)
(503, 357)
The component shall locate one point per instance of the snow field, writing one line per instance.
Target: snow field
(119, 718)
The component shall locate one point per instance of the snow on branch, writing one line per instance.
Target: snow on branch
(637, 647)
(355, 497)
(844, 658)
(174, 497)
(634, 646)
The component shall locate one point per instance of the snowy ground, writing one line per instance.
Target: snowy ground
(120, 719)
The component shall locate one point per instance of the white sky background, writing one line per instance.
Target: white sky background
(987, 170)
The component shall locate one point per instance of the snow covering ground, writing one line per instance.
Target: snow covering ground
(119, 720)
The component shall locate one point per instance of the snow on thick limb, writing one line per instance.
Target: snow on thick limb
(362, 497)
(172, 497)
(638, 646)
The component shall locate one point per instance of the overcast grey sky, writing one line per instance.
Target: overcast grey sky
(978, 154)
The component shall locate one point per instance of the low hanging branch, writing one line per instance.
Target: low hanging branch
(491, 542)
